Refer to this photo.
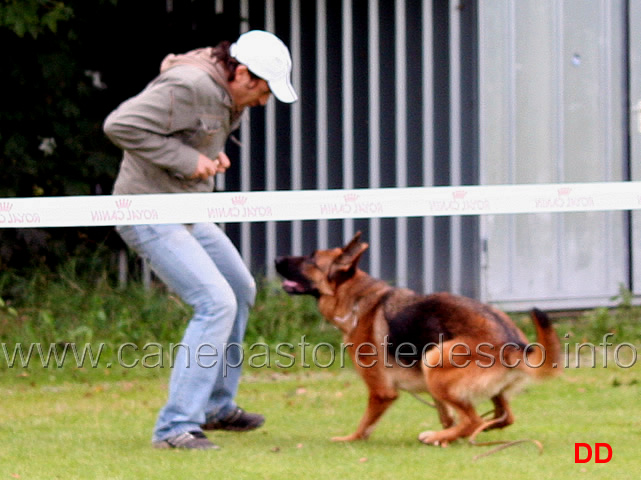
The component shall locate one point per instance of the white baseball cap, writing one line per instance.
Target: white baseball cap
(266, 56)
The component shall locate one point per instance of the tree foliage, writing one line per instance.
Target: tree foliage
(33, 17)
(66, 65)
(51, 141)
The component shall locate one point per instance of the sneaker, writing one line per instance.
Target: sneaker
(237, 421)
(189, 441)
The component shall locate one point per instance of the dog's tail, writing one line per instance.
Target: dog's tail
(545, 357)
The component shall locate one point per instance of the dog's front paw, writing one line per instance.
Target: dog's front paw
(432, 438)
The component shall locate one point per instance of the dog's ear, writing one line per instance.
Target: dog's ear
(353, 250)
(345, 264)
(354, 241)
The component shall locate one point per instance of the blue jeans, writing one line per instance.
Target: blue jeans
(200, 264)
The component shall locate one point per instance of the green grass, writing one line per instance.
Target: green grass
(101, 429)
(96, 421)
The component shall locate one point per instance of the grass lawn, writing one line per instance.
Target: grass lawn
(86, 426)
(96, 422)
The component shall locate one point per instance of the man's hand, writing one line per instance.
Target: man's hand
(207, 167)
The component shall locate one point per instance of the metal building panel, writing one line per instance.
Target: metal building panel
(552, 86)
(634, 46)
(388, 97)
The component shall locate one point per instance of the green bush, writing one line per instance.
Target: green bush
(81, 304)
(279, 317)
(78, 305)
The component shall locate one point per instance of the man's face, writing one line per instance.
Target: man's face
(247, 91)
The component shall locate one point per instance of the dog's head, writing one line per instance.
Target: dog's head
(321, 272)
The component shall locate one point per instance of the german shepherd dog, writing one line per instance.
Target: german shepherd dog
(455, 348)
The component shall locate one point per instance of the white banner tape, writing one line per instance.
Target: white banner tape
(227, 207)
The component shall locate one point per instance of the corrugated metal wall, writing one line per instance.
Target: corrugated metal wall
(383, 90)
(411, 92)
(634, 125)
(553, 109)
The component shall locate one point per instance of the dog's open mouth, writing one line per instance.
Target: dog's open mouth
(294, 281)
(292, 287)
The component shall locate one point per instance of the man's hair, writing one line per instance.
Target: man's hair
(221, 53)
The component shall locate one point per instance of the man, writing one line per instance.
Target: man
(173, 135)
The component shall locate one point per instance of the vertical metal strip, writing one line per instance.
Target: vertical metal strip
(245, 153)
(510, 74)
(558, 132)
(511, 140)
(428, 140)
(270, 154)
(455, 141)
(374, 132)
(606, 87)
(483, 221)
(558, 129)
(321, 114)
(605, 118)
(348, 108)
(297, 134)
(634, 128)
(401, 136)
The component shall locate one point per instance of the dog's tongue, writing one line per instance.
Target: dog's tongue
(290, 285)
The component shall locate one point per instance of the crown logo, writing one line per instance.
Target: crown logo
(564, 191)
(6, 206)
(123, 203)
(239, 200)
(350, 197)
(459, 194)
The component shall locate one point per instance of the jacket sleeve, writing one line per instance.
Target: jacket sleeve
(150, 126)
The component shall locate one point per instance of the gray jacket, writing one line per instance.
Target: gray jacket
(184, 111)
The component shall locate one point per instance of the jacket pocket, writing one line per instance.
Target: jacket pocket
(209, 127)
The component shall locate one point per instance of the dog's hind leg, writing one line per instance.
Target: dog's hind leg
(449, 385)
(502, 413)
(376, 406)
(468, 422)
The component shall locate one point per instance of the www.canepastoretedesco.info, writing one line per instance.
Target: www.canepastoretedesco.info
(305, 354)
